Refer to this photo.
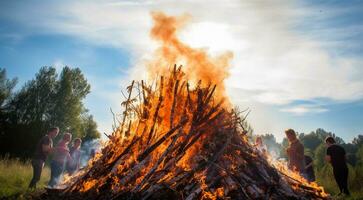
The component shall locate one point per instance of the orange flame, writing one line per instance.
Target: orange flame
(152, 117)
(199, 65)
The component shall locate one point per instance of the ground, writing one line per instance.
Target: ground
(15, 176)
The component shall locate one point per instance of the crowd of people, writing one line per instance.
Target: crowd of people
(303, 164)
(67, 159)
(62, 157)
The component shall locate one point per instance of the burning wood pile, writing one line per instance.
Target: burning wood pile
(176, 141)
(178, 138)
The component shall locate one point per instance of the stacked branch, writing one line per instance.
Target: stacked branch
(177, 141)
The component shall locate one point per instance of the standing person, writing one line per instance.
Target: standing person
(43, 148)
(61, 158)
(295, 152)
(335, 154)
(76, 156)
(309, 169)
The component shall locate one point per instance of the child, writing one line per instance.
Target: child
(61, 157)
(76, 156)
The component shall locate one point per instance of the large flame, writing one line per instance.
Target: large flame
(199, 65)
(172, 130)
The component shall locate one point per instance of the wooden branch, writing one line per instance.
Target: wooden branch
(157, 110)
(161, 158)
(161, 140)
(173, 105)
(126, 106)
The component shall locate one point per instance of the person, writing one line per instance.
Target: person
(42, 150)
(309, 169)
(76, 156)
(260, 146)
(335, 154)
(295, 152)
(61, 157)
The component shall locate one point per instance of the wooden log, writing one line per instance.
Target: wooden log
(120, 158)
(173, 104)
(133, 172)
(152, 170)
(161, 140)
(156, 110)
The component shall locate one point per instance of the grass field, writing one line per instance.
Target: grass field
(15, 176)
(326, 179)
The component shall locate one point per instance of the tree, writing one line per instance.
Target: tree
(322, 134)
(6, 93)
(89, 128)
(350, 150)
(358, 141)
(27, 111)
(310, 141)
(6, 87)
(72, 89)
(48, 100)
(35, 101)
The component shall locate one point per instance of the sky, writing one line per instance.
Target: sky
(296, 64)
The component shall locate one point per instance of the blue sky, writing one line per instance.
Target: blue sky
(296, 64)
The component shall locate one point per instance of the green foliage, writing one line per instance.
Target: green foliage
(311, 141)
(6, 87)
(89, 128)
(315, 147)
(319, 156)
(68, 107)
(358, 141)
(47, 100)
(324, 176)
(34, 102)
(359, 156)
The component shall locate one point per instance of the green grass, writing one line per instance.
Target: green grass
(15, 177)
(325, 178)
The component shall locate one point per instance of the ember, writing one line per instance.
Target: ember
(178, 141)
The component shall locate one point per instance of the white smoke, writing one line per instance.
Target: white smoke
(88, 150)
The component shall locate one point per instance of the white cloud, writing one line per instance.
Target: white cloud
(303, 109)
(277, 62)
(273, 64)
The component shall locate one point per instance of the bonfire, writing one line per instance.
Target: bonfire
(180, 138)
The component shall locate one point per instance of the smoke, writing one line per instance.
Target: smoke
(197, 63)
(87, 149)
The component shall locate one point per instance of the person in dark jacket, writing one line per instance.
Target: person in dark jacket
(295, 152)
(336, 156)
(43, 148)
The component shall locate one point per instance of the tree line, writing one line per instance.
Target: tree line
(314, 146)
(48, 100)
